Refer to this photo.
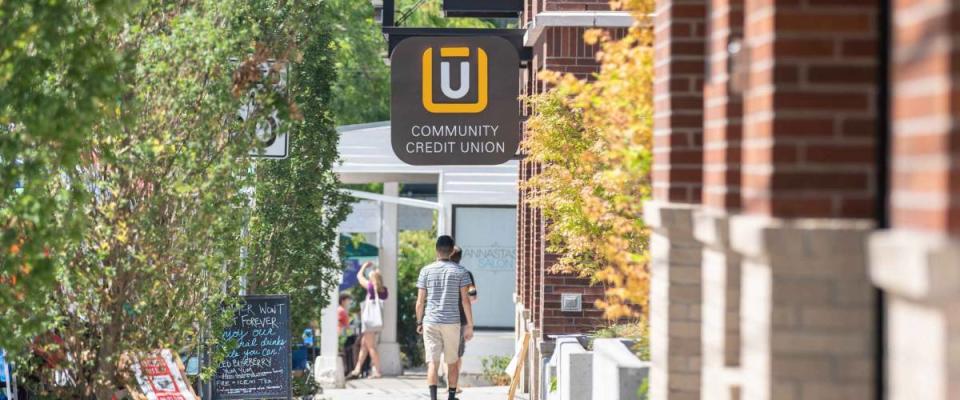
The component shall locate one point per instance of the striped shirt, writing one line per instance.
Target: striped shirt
(443, 280)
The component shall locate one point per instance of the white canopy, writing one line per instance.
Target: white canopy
(367, 157)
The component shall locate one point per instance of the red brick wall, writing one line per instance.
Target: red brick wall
(559, 49)
(926, 116)
(536, 275)
(555, 322)
(722, 108)
(678, 108)
(810, 109)
(523, 240)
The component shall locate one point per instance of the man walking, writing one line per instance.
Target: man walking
(442, 289)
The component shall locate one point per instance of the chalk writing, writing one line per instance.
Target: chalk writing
(258, 364)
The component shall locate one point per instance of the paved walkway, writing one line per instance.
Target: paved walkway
(407, 387)
(412, 385)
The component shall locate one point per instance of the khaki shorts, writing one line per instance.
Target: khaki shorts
(441, 339)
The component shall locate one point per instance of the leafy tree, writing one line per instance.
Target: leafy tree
(164, 179)
(361, 92)
(429, 13)
(298, 201)
(54, 57)
(592, 138)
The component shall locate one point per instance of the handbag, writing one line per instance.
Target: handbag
(371, 314)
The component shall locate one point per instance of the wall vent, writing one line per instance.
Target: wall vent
(571, 302)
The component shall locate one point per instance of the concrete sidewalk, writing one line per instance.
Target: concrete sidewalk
(408, 387)
(412, 385)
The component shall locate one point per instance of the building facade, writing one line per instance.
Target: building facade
(554, 31)
(807, 178)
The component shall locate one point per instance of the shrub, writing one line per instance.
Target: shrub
(637, 331)
(493, 369)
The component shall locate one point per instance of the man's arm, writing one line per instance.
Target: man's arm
(468, 311)
(421, 305)
(476, 295)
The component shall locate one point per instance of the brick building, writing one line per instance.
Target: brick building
(554, 31)
(807, 176)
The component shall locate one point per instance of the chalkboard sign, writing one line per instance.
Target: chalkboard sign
(259, 366)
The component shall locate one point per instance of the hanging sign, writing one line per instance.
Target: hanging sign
(270, 131)
(483, 8)
(455, 100)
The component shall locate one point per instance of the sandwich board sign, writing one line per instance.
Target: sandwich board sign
(259, 364)
(160, 376)
(454, 100)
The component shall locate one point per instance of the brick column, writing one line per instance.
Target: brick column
(721, 195)
(917, 263)
(807, 305)
(678, 100)
(675, 290)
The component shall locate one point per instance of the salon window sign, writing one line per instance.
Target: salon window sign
(455, 100)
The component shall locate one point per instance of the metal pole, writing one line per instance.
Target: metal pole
(388, 10)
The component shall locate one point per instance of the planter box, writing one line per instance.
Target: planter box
(617, 372)
(570, 364)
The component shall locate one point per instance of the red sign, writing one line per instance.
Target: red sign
(160, 377)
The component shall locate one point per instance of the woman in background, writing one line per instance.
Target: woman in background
(370, 336)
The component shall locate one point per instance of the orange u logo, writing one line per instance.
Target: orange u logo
(460, 92)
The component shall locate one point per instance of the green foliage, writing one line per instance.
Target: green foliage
(55, 68)
(639, 331)
(305, 386)
(298, 202)
(361, 91)
(376, 187)
(644, 389)
(429, 13)
(494, 368)
(416, 249)
(163, 179)
(553, 384)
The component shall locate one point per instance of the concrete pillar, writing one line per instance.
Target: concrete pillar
(721, 307)
(388, 347)
(722, 157)
(677, 171)
(675, 298)
(920, 273)
(328, 368)
(807, 308)
(917, 263)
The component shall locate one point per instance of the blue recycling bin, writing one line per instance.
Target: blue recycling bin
(299, 358)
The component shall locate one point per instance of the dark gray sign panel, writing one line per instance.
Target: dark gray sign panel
(482, 8)
(259, 366)
(454, 100)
